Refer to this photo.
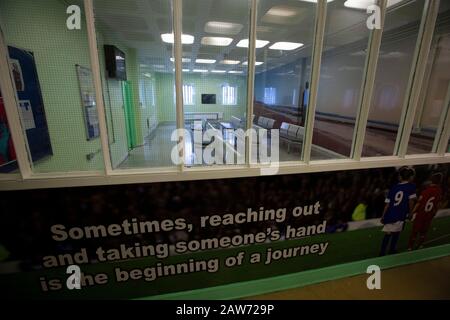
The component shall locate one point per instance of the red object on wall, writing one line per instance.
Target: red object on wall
(9, 154)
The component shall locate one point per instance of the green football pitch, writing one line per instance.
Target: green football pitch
(344, 247)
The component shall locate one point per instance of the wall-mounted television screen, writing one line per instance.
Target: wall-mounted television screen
(115, 63)
(208, 99)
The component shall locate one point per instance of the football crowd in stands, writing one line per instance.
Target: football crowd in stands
(28, 215)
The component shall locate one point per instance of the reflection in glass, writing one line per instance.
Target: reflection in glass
(285, 31)
(435, 87)
(391, 83)
(342, 70)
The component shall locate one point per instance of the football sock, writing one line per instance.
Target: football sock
(384, 244)
(394, 240)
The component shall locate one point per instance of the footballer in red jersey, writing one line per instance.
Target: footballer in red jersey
(425, 210)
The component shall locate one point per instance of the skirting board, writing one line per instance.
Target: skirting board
(301, 279)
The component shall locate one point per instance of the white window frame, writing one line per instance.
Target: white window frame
(27, 179)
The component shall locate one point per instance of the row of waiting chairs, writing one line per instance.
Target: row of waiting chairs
(290, 133)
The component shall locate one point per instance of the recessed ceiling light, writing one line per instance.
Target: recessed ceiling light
(148, 75)
(216, 41)
(200, 70)
(394, 55)
(285, 46)
(230, 62)
(218, 71)
(283, 11)
(259, 43)
(236, 71)
(185, 38)
(223, 27)
(205, 61)
(314, 1)
(159, 66)
(257, 63)
(364, 4)
(182, 59)
(183, 70)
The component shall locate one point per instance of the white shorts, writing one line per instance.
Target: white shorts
(393, 227)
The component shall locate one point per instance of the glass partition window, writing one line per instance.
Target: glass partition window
(436, 87)
(395, 61)
(57, 104)
(215, 62)
(52, 74)
(135, 48)
(341, 76)
(285, 35)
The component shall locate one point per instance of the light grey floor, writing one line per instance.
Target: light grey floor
(156, 152)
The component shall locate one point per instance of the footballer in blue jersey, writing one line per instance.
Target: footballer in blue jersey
(399, 203)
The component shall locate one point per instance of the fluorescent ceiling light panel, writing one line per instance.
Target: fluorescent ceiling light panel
(286, 46)
(216, 41)
(236, 72)
(257, 63)
(314, 1)
(220, 27)
(182, 59)
(283, 11)
(259, 43)
(364, 4)
(185, 38)
(205, 61)
(200, 70)
(218, 71)
(230, 62)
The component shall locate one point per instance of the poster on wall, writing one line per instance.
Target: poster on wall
(31, 104)
(87, 92)
(8, 161)
(146, 240)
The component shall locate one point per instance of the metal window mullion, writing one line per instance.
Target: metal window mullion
(423, 48)
(366, 96)
(178, 53)
(319, 33)
(10, 100)
(251, 79)
(95, 65)
(443, 133)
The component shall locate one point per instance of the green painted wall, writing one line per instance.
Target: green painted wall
(113, 98)
(203, 84)
(40, 26)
